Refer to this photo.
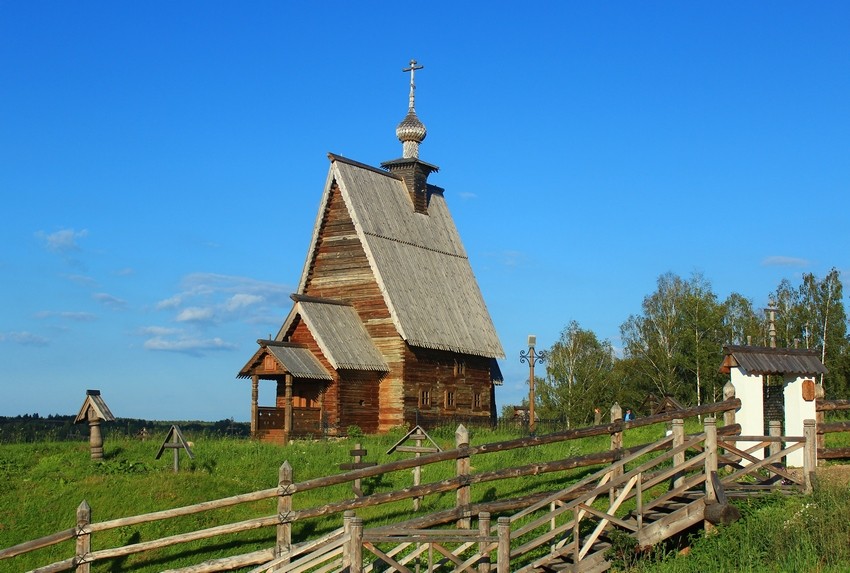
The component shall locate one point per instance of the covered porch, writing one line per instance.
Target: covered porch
(301, 382)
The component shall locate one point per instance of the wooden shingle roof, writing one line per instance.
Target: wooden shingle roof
(418, 260)
(298, 361)
(763, 360)
(339, 332)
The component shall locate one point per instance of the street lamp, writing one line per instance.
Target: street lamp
(531, 357)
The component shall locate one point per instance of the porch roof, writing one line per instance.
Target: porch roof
(764, 360)
(339, 332)
(294, 359)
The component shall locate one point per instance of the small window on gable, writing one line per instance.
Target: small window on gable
(460, 368)
(269, 362)
(424, 398)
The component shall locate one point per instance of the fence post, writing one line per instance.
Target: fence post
(710, 425)
(678, 459)
(729, 394)
(810, 454)
(355, 546)
(616, 445)
(483, 532)
(729, 415)
(774, 430)
(503, 554)
(83, 538)
(346, 528)
(463, 497)
(284, 507)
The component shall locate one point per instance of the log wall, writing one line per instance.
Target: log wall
(440, 373)
(340, 270)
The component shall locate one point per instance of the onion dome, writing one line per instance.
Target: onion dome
(411, 132)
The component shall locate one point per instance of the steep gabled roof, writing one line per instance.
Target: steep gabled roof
(291, 358)
(338, 331)
(762, 360)
(94, 401)
(418, 261)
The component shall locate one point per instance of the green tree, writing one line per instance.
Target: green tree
(578, 377)
(653, 341)
(741, 324)
(813, 316)
(674, 347)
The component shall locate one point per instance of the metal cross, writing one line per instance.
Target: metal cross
(412, 69)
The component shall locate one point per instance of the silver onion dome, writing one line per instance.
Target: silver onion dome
(411, 132)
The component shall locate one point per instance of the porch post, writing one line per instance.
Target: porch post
(255, 396)
(287, 412)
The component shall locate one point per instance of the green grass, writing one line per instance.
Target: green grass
(775, 535)
(42, 483)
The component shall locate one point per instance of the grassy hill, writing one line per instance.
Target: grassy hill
(43, 482)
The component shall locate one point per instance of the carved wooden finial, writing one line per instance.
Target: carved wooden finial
(616, 412)
(461, 436)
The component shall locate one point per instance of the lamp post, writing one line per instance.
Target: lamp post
(531, 357)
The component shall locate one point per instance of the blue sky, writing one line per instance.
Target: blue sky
(161, 164)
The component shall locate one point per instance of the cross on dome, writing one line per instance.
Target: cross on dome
(411, 132)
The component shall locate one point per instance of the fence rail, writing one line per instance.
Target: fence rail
(616, 479)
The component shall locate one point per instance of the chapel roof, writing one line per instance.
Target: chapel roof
(418, 261)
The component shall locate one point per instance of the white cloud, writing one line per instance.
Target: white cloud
(466, 195)
(109, 300)
(67, 315)
(779, 261)
(171, 302)
(83, 280)
(238, 301)
(193, 346)
(63, 241)
(159, 330)
(195, 314)
(23, 337)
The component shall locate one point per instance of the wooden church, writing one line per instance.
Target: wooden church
(388, 326)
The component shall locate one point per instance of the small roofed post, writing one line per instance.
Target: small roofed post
(94, 411)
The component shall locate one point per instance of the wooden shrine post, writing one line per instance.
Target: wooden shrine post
(94, 411)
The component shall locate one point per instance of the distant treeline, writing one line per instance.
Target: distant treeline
(34, 428)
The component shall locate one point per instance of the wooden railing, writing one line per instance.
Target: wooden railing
(617, 466)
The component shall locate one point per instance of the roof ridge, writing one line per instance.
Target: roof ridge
(334, 157)
(417, 245)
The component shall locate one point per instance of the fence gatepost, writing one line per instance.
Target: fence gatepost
(355, 546)
(678, 459)
(616, 445)
(810, 454)
(710, 425)
(503, 553)
(483, 533)
(83, 545)
(774, 430)
(463, 497)
(284, 508)
(728, 394)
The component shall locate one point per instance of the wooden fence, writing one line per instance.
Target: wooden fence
(337, 546)
(824, 427)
